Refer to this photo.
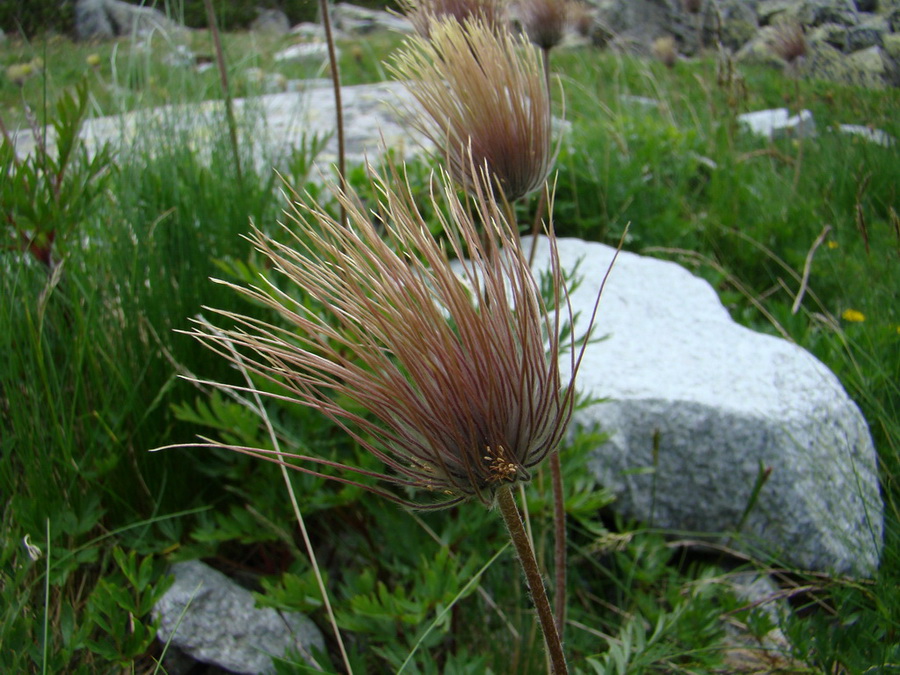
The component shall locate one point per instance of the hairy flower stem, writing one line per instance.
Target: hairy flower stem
(338, 105)
(559, 507)
(559, 545)
(226, 92)
(519, 537)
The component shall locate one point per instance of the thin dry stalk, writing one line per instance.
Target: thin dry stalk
(807, 267)
(338, 104)
(260, 410)
(226, 91)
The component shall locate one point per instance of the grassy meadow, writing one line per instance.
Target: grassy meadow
(90, 379)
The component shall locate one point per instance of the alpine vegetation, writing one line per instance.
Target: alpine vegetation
(457, 369)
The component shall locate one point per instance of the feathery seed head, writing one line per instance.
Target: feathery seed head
(423, 12)
(457, 368)
(665, 50)
(789, 41)
(482, 90)
(544, 21)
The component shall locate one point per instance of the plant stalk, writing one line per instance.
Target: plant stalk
(226, 92)
(519, 537)
(559, 544)
(338, 105)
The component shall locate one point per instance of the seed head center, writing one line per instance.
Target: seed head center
(499, 467)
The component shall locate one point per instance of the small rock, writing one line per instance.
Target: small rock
(778, 123)
(271, 21)
(876, 136)
(830, 33)
(767, 10)
(361, 21)
(867, 68)
(180, 57)
(107, 19)
(209, 617)
(310, 31)
(305, 50)
(759, 52)
(769, 653)
(813, 13)
(869, 34)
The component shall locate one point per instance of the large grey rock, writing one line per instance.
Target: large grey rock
(279, 123)
(816, 12)
(769, 10)
(865, 68)
(830, 33)
(871, 33)
(637, 23)
(698, 405)
(809, 13)
(213, 620)
(107, 19)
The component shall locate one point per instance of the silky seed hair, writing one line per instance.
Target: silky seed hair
(481, 91)
(457, 364)
(422, 13)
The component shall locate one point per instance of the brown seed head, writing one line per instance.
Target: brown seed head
(481, 90)
(544, 21)
(459, 369)
(665, 51)
(789, 41)
(423, 12)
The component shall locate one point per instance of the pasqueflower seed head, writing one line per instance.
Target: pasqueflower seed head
(456, 368)
(482, 90)
(422, 13)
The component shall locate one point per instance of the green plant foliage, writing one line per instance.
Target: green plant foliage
(121, 603)
(51, 192)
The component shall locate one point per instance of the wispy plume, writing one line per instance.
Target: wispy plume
(544, 21)
(789, 42)
(482, 90)
(422, 13)
(458, 368)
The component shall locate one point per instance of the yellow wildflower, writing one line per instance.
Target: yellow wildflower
(853, 315)
(93, 60)
(832, 244)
